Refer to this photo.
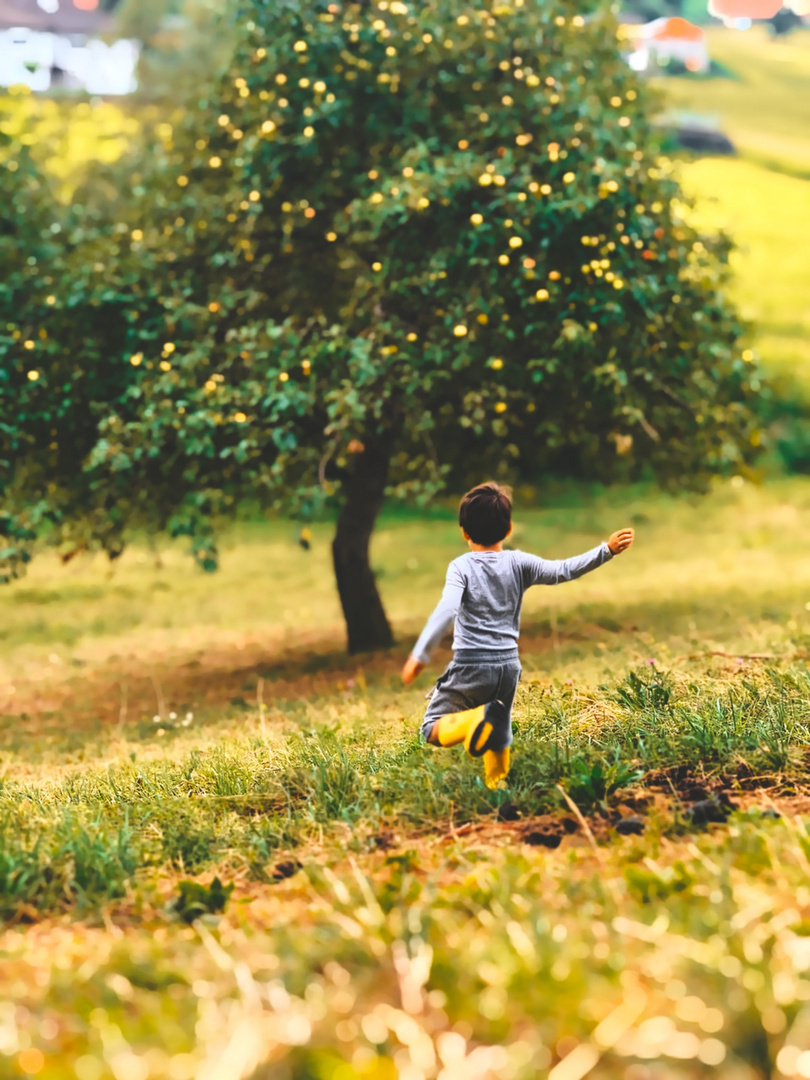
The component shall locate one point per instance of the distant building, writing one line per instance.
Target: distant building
(55, 44)
(656, 43)
(744, 9)
(55, 16)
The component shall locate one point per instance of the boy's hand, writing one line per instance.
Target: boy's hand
(412, 670)
(620, 541)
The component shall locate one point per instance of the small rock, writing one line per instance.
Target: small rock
(543, 839)
(286, 869)
(704, 140)
(630, 826)
(508, 812)
(707, 811)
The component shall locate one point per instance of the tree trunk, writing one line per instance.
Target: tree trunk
(366, 621)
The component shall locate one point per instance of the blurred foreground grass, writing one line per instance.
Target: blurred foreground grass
(645, 960)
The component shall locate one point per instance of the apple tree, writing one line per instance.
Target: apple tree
(390, 247)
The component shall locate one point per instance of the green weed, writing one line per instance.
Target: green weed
(591, 780)
(69, 862)
(648, 885)
(196, 900)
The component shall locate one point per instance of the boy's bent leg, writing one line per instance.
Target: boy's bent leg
(472, 703)
(448, 711)
(454, 728)
(497, 756)
(470, 727)
(499, 710)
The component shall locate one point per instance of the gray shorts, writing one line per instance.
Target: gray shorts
(475, 677)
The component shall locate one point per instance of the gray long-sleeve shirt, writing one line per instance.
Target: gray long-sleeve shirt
(483, 593)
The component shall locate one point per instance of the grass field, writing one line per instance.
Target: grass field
(385, 914)
(772, 260)
(762, 195)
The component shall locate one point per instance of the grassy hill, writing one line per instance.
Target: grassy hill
(761, 196)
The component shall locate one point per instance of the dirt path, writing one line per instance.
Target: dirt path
(120, 689)
(115, 690)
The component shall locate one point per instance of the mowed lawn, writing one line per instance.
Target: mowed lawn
(761, 197)
(768, 214)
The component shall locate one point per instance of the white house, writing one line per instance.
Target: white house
(49, 44)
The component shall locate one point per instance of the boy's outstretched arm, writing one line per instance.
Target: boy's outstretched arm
(552, 571)
(436, 627)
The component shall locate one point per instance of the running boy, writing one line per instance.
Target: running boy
(483, 592)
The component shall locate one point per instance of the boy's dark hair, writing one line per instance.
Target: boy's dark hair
(485, 513)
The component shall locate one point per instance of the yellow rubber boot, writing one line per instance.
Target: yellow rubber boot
(478, 734)
(457, 727)
(496, 766)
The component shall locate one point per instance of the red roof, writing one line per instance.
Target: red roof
(679, 28)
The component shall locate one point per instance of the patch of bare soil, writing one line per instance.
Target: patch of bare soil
(237, 673)
(125, 689)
